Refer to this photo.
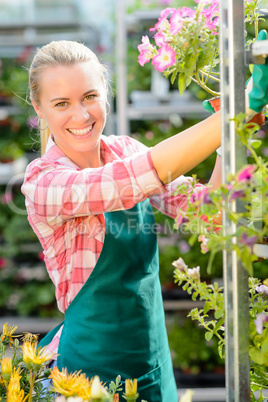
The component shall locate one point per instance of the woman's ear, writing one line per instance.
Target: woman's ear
(37, 109)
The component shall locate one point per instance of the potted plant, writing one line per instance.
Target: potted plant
(186, 45)
(250, 186)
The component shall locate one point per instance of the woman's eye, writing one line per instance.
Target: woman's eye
(90, 97)
(60, 104)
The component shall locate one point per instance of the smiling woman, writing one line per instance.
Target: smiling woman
(89, 202)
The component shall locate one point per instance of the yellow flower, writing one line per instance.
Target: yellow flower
(29, 337)
(8, 331)
(34, 357)
(6, 365)
(11, 397)
(74, 384)
(13, 389)
(131, 388)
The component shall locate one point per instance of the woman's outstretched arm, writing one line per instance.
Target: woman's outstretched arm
(179, 154)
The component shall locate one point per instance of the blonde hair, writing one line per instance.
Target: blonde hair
(53, 54)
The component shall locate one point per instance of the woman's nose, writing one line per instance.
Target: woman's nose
(80, 113)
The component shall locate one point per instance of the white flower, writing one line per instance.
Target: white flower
(97, 390)
(180, 264)
(262, 289)
(60, 399)
(194, 272)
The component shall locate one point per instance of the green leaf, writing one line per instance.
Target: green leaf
(206, 307)
(182, 83)
(218, 314)
(208, 335)
(255, 143)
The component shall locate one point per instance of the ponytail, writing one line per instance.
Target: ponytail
(44, 135)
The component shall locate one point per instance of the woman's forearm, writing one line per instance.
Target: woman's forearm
(182, 152)
(216, 177)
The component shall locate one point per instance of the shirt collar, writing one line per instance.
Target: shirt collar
(55, 154)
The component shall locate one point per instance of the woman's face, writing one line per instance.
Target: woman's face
(72, 101)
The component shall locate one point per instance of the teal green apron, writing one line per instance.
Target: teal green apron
(115, 324)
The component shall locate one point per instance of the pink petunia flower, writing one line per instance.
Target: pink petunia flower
(162, 24)
(165, 13)
(146, 51)
(176, 22)
(204, 242)
(246, 174)
(160, 38)
(211, 15)
(166, 57)
(3, 262)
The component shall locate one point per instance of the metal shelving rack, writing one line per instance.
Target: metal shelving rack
(232, 69)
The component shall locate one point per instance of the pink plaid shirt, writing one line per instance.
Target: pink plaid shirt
(66, 205)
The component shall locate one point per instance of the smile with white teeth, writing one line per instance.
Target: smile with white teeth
(80, 132)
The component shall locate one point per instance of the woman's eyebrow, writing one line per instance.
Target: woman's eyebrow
(64, 99)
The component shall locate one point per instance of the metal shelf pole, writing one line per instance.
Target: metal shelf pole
(121, 70)
(232, 52)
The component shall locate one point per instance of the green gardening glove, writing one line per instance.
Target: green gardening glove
(207, 106)
(257, 87)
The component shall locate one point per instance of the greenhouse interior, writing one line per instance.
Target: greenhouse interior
(183, 314)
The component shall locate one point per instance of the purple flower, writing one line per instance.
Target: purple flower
(202, 196)
(246, 173)
(184, 246)
(262, 289)
(237, 194)
(180, 219)
(260, 320)
(249, 241)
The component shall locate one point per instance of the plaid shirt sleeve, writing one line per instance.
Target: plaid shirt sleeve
(166, 201)
(57, 193)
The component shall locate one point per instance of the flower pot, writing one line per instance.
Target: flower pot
(259, 118)
(199, 380)
(261, 249)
